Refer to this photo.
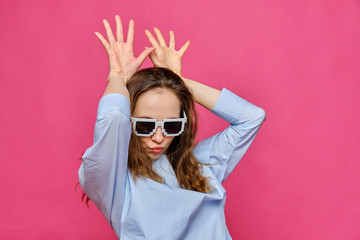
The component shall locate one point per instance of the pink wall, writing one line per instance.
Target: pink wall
(299, 60)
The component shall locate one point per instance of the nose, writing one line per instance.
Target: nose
(158, 136)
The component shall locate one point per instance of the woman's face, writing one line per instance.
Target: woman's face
(157, 103)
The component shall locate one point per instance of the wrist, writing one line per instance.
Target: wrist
(188, 83)
(113, 76)
(177, 71)
(186, 80)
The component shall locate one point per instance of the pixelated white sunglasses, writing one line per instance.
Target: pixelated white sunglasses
(146, 127)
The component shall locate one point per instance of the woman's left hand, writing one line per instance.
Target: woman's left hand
(166, 56)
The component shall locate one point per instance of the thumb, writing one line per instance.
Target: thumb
(154, 59)
(141, 58)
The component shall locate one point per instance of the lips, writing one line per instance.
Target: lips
(156, 149)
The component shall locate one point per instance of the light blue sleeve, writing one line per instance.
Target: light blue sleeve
(225, 149)
(103, 170)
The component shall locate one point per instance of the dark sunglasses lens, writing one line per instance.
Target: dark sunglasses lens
(172, 127)
(144, 127)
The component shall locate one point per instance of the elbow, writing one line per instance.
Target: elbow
(262, 115)
(81, 177)
(258, 118)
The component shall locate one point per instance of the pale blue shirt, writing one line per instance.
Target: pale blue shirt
(164, 211)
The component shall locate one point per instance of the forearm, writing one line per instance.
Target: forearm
(204, 95)
(224, 150)
(117, 84)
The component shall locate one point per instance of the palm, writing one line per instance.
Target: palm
(166, 56)
(121, 54)
(125, 58)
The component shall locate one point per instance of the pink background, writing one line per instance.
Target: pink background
(299, 60)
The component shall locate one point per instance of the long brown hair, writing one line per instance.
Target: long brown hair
(186, 166)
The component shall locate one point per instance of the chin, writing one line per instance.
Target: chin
(155, 156)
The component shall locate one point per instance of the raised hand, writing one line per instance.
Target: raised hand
(166, 56)
(121, 55)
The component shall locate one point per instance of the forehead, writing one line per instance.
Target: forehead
(158, 103)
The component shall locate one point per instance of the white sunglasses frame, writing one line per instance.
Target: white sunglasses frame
(159, 124)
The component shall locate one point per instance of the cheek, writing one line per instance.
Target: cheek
(169, 140)
(144, 140)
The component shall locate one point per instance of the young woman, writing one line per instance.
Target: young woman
(143, 171)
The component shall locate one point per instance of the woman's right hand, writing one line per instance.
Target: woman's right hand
(122, 61)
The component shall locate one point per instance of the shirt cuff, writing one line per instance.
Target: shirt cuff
(229, 106)
(113, 101)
